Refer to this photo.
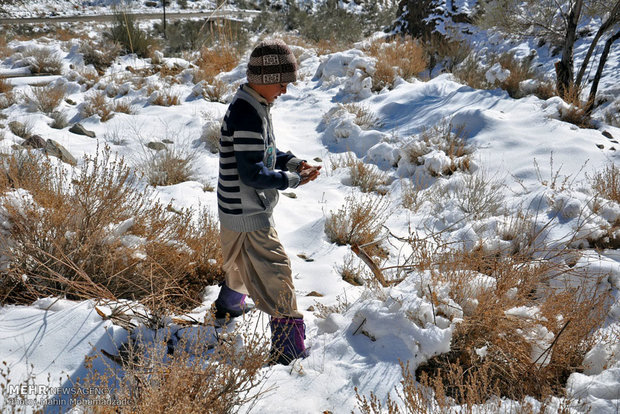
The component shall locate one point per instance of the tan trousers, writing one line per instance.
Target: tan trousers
(255, 264)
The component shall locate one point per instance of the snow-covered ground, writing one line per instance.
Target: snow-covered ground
(518, 144)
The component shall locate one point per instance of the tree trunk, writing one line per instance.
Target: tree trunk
(564, 68)
(599, 72)
(613, 19)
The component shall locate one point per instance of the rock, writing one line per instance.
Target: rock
(70, 101)
(167, 141)
(314, 293)
(19, 129)
(290, 195)
(35, 141)
(80, 130)
(54, 149)
(157, 146)
(600, 146)
(318, 159)
(607, 134)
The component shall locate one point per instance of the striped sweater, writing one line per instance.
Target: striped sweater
(252, 169)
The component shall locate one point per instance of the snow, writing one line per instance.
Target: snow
(538, 164)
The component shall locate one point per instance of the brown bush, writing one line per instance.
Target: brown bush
(199, 377)
(364, 176)
(606, 183)
(215, 60)
(365, 118)
(402, 57)
(519, 71)
(100, 54)
(168, 166)
(164, 98)
(445, 137)
(43, 60)
(97, 104)
(7, 97)
(100, 238)
(46, 98)
(489, 356)
(576, 113)
(358, 223)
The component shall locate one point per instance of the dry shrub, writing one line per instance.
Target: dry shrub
(100, 54)
(123, 106)
(606, 183)
(164, 98)
(59, 120)
(46, 98)
(445, 137)
(471, 72)
(444, 51)
(5, 86)
(43, 60)
(168, 166)
(7, 97)
(366, 177)
(92, 234)
(5, 50)
(358, 223)
(87, 76)
(545, 90)
(402, 57)
(215, 60)
(575, 113)
(193, 379)
(97, 104)
(365, 118)
(520, 70)
(489, 354)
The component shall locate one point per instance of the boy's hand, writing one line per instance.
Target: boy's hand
(308, 172)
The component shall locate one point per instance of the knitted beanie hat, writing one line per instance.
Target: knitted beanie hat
(272, 62)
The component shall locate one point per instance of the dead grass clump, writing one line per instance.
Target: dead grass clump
(575, 113)
(358, 223)
(444, 137)
(97, 104)
(7, 97)
(123, 106)
(518, 336)
(100, 54)
(215, 60)
(43, 60)
(520, 70)
(46, 98)
(59, 120)
(403, 57)
(208, 374)
(524, 328)
(5, 86)
(442, 50)
(91, 234)
(606, 183)
(471, 72)
(164, 98)
(365, 118)
(168, 166)
(367, 177)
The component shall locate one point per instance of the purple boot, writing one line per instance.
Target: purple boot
(229, 302)
(287, 340)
